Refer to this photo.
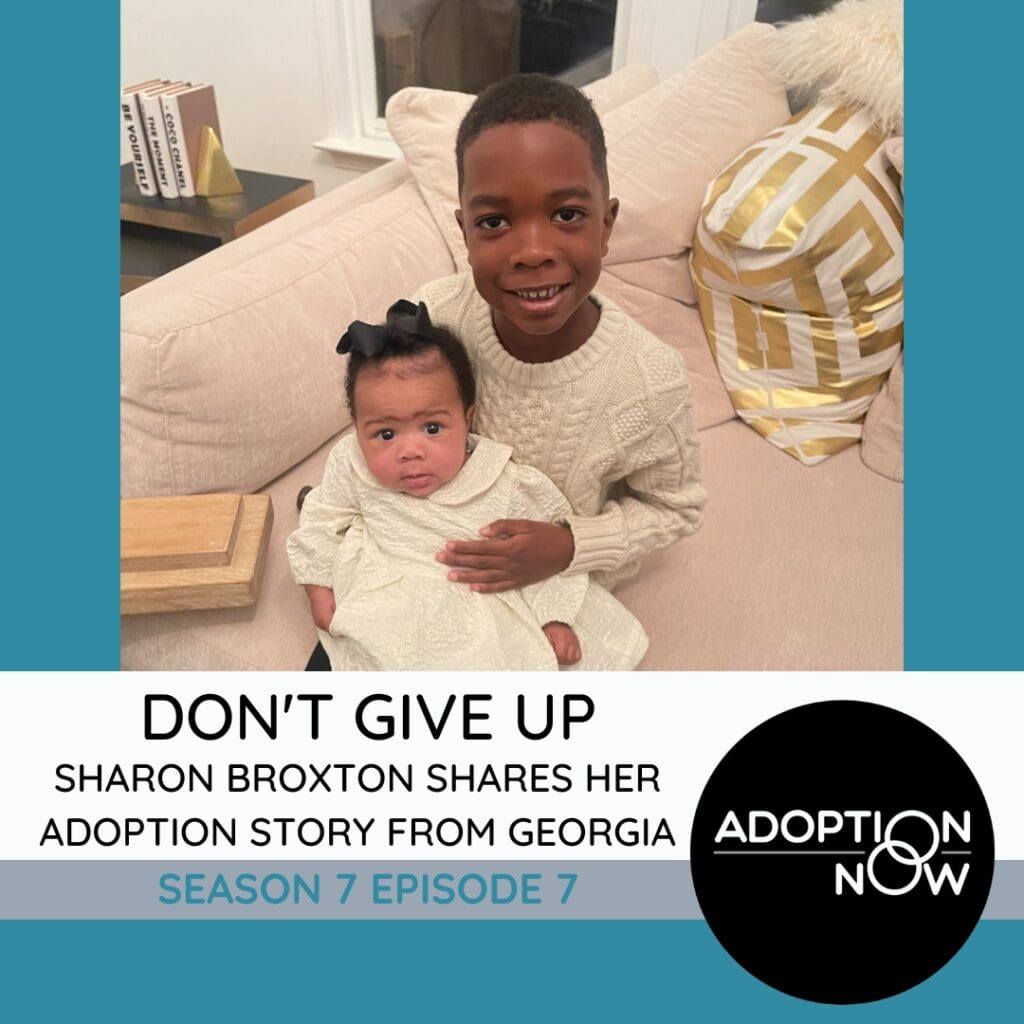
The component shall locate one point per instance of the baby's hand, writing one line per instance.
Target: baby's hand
(321, 604)
(564, 643)
(516, 552)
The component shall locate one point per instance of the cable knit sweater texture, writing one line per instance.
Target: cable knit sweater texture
(611, 424)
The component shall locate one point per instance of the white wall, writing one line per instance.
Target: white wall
(262, 58)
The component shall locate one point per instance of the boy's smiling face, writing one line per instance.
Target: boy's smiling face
(536, 218)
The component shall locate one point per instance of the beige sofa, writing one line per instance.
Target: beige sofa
(230, 383)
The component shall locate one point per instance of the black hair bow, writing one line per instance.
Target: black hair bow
(371, 339)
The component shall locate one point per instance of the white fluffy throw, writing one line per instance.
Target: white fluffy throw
(854, 53)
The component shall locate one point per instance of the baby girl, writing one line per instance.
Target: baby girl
(410, 478)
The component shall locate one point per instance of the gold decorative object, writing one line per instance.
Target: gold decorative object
(215, 175)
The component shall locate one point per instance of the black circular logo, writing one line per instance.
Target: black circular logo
(842, 852)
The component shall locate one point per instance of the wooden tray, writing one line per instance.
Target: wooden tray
(193, 552)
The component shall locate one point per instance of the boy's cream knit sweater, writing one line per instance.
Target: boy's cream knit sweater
(611, 424)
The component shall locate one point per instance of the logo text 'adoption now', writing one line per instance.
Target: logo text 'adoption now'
(842, 851)
(894, 863)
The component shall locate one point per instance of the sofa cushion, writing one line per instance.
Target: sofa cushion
(424, 123)
(793, 571)
(229, 377)
(667, 145)
(799, 269)
(882, 445)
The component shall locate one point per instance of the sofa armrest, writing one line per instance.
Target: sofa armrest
(228, 371)
(331, 205)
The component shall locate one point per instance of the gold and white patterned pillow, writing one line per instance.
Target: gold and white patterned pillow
(798, 263)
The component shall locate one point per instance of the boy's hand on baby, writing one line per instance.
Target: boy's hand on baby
(564, 642)
(321, 604)
(516, 552)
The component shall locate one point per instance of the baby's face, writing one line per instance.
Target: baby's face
(411, 426)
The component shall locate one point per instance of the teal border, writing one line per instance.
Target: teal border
(449, 971)
(59, 414)
(964, 548)
(59, 424)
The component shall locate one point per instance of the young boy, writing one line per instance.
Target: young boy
(579, 390)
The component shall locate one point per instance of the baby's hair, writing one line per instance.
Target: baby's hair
(407, 336)
(520, 99)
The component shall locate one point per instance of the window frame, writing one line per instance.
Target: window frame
(667, 34)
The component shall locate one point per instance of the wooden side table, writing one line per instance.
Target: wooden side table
(158, 235)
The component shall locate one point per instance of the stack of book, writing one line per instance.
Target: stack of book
(163, 121)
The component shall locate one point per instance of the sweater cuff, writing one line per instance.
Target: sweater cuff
(600, 543)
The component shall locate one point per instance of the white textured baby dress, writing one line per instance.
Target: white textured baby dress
(396, 608)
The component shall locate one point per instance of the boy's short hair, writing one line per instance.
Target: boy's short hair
(520, 99)
(407, 334)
